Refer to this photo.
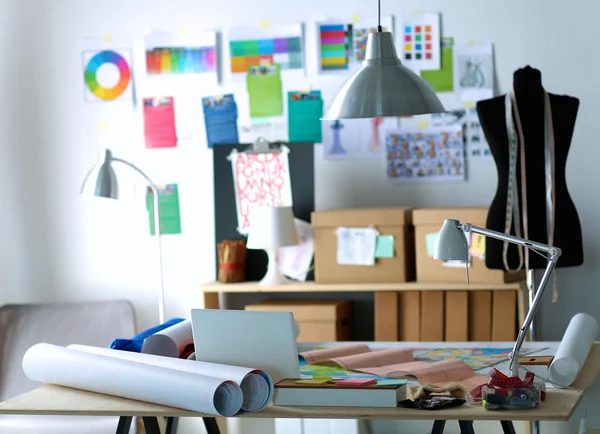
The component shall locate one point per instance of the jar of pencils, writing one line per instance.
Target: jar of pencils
(232, 261)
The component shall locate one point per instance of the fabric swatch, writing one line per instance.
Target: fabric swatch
(329, 353)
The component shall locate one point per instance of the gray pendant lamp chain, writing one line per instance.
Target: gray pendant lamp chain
(383, 87)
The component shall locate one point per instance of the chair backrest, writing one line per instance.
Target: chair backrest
(88, 323)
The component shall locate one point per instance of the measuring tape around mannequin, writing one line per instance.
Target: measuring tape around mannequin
(516, 140)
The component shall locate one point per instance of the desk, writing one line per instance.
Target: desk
(54, 400)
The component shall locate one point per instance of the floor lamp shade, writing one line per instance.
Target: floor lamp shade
(383, 87)
(272, 227)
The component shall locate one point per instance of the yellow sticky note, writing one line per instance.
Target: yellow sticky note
(469, 104)
(423, 124)
(264, 23)
(108, 37)
(182, 31)
(102, 125)
(313, 381)
(477, 245)
(355, 18)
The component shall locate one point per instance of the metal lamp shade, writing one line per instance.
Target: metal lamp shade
(383, 87)
(451, 243)
(102, 181)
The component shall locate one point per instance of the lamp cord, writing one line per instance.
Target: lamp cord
(379, 29)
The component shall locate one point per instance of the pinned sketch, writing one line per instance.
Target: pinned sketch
(273, 129)
(254, 46)
(260, 179)
(434, 154)
(467, 117)
(420, 41)
(474, 72)
(341, 46)
(356, 138)
(183, 52)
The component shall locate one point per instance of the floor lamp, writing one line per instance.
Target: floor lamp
(101, 181)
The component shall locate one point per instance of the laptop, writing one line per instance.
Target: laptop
(253, 339)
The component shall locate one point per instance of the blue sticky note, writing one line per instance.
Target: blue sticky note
(430, 239)
(392, 382)
(384, 246)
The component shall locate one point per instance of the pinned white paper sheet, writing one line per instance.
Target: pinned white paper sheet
(294, 261)
(356, 246)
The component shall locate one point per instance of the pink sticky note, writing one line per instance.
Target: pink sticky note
(356, 382)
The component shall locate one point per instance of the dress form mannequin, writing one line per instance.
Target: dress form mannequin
(529, 93)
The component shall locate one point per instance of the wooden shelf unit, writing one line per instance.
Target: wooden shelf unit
(212, 291)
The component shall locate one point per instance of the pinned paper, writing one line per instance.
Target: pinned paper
(442, 80)
(392, 382)
(265, 91)
(384, 246)
(355, 18)
(264, 24)
(478, 246)
(356, 246)
(469, 104)
(430, 239)
(168, 203)
(423, 125)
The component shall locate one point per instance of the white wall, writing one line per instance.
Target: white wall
(57, 246)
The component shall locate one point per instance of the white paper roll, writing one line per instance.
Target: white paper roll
(257, 386)
(170, 341)
(128, 379)
(573, 350)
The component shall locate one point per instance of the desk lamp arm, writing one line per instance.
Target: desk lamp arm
(553, 255)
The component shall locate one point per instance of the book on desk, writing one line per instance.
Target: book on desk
(289, 392)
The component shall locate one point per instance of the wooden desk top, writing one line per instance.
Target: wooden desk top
(56, 400)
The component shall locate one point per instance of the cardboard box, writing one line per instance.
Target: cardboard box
(396, 222)
(429, 221)
(318, 320)
(432, 316)
(504, 316)
(457, 316)
(480, 316)
(397, 316)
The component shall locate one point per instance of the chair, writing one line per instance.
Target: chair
(22, 326)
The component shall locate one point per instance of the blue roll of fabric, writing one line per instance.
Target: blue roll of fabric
(135, 343)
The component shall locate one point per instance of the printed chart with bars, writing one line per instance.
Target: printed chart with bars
(175, 60)
(280, 45)
(335, 42)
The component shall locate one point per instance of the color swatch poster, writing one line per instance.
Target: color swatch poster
(159, 122)
(265, 91)
(442, 80)
(260, 179)
(474, 72)
(181, 53)
(107, 75)
(433, 154)
(421, 41)
(282, 45)
(348, 139)
(342, 46)
(168, 206)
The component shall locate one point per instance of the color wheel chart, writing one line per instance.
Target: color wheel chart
(253, 47)
(175, 60)
(107, 74)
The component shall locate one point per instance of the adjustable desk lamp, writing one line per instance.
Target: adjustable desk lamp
(452, 244)
(103, 181)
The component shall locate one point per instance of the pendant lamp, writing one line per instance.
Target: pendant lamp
(383, 87)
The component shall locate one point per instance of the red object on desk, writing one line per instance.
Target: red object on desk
(159, 122)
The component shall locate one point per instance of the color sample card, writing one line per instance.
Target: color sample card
(433, 154)
(342, 45)
(442, 80)
(168, 206)
(220, 118)
(180, 53)
(421, 42)
(281, 45)
(159, 122)
(305, 110)
(264, 91)
(107, 75)
(474, 72)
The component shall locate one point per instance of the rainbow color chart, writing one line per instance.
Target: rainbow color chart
(92, 80)
(285, 51)
(334, 46)
(176, 60)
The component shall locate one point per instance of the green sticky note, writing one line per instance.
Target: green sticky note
(392, 382)
(384, 246)
(430, 239)
(265, 93)
(168, 205)
(442, 80)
